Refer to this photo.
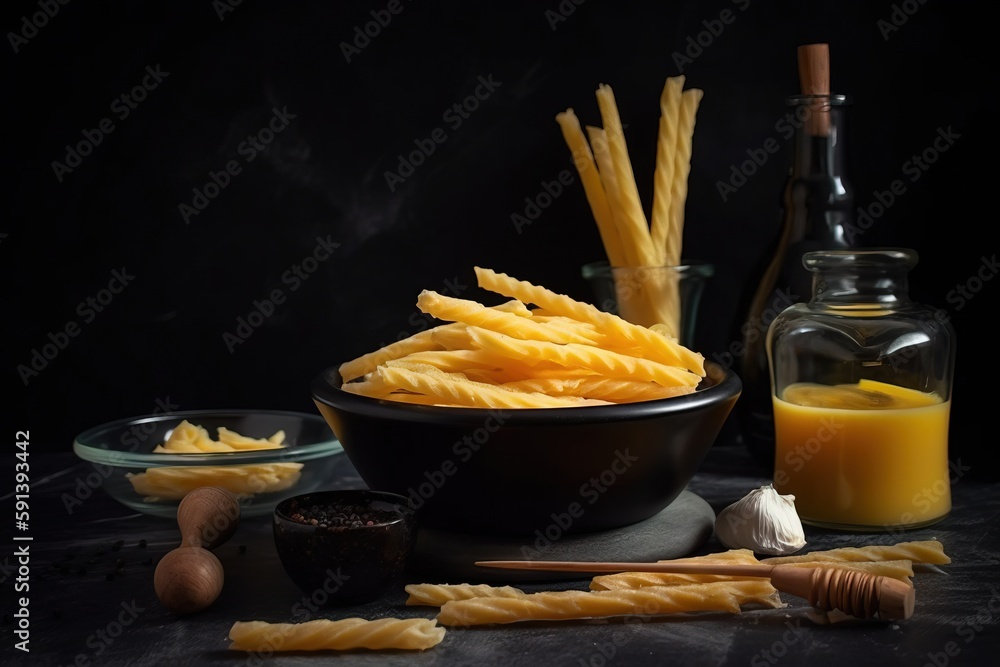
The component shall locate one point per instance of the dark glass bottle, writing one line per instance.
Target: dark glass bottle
(816, 212)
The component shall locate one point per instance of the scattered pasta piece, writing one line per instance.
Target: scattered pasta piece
(627, 580)
(336, 635)
(923, 551)
(436, 595)
(722, 596)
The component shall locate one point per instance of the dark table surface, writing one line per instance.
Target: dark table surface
(92, 599)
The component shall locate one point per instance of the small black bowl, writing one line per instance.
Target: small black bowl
(341, 560)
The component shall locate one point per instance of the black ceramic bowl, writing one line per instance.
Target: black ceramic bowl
(530, 471)
(354, 553)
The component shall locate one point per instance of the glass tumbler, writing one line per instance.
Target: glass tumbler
(668, 296)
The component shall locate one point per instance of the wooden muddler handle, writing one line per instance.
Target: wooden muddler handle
(814, 79)
(859, 594)
(190, 578)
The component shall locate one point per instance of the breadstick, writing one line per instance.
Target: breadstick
(922, 551)
(593, 189)
(344, 634)
(436, 595)
(728, 596)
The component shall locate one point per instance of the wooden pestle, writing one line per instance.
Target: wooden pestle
(190, 578)
(856, 593)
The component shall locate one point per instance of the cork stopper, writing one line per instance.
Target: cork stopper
(814, 79)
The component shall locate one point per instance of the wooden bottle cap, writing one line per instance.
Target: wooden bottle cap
(814, 79)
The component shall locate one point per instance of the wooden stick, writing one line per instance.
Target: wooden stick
(856, 593)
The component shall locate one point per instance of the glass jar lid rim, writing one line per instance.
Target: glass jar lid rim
(904, 258)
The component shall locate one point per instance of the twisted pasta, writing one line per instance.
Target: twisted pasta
(726, 596)
(436, 595)
(665, 350)
(342, 634)
(627, 580)
(173, 483)
(922, 551)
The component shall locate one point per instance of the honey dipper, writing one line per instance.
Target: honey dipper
(859, 594)
(190, 578)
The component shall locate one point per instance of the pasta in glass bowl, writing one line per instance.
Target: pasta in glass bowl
(149, 463)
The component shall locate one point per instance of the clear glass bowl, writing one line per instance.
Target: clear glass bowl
(122, 450)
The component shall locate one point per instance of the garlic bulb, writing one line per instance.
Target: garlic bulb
(763, 521)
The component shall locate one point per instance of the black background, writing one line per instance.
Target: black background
(161, 340)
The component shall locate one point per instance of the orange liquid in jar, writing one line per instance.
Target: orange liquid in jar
(867, 455)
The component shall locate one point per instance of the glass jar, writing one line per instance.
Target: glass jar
(861, 380)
